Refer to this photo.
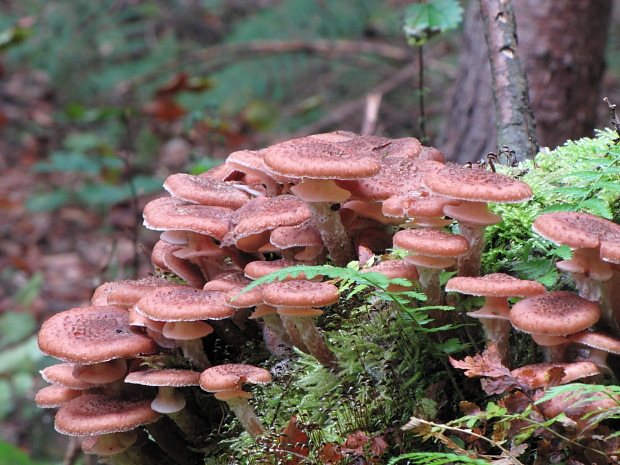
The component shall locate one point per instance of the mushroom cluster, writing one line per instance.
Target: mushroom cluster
(147, 348)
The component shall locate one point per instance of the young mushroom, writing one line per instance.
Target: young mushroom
(226, 381)
(295, 302)
(494, 314)
(475, 188)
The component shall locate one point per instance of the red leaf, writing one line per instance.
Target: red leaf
(294, 440)
(331, 453)
(486, 364)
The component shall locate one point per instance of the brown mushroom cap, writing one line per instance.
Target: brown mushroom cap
(205, 191)
(127, 292)
(170, 213)
(62, 375)
(300, 294)
(577, 230)
(312, 159)
(596, 341)
(55, 395)
(431, 242)
(184, 304)
(93, 414)
(555, 313)
(397, 175)
(259, 268)
(494, 285)
(231, 376)
(167, 377)
(458, 182)
(537, 375)
(91, 335)
(252, 222)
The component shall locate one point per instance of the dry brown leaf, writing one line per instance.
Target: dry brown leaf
(487, 364)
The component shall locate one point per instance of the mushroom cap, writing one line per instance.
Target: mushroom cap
(55, 395)
(205, 191)
(537, 375)
(62, 375)
(301, 235)
(577, 230)
(184, 304)
(458, 182)
(231, 376)
(259, 268)
(168, 377)
(92, 414)
(234, 280)
(312, 159)
(494, 285)
(170, 213)
(127, 292)
(383, 147)
(555, 313)
(431, 242)
(90, 335)
(261, 215)
(300, 294)
(596, 341)
(395, 269)
(397, 175)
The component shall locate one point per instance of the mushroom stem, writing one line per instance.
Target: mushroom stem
(274, 322)
(194, 352)
(333, 233)
(429, 283)
(246, 415)
(469, 264)
(497, 331)
(313, 340)
(294, 334)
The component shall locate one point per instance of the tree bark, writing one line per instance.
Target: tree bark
(515, 120)
(562, 47)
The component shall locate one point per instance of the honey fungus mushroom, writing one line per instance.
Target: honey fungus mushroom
(226, 382)
(475, 188)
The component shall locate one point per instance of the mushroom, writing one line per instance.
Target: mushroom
(225, 381)
(205, 191)
(589, 237)
(295, 302)
(183, 309)
(55, 396)
(475, 188)
(431, 251)
(552, 316)
(537, 375)
(89, 335)
(599, 345)
(109, 418)
(315, 165)
(494, 314)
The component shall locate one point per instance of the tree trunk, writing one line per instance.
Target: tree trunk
(562, 47)
(515, 120)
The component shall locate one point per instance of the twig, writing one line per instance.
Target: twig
(371, 114)
(230, 52)
(614, 116)
(344, 110)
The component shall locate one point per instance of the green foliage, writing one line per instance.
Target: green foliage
(582, 176)
(425, 20)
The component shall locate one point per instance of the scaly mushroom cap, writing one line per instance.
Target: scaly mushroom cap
(231, 376)
(596, 341)
(184, 304)
(311, 159)
(55, 395)
(537, 375)
(431, 242)
(577, 230)
(383, 147)
(252, 223)
(555, 313)
(495, 285)
(170, 213)
(259, 268)
(397, 175)
(395, 269)
(234, 280)
(127, 292)
(91, 335)
(168, 377)
(205, 191)
(300, 294)
(457, 182)
(93, 414)
(62, 375)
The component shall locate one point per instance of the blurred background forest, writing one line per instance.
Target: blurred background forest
(101, 101)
